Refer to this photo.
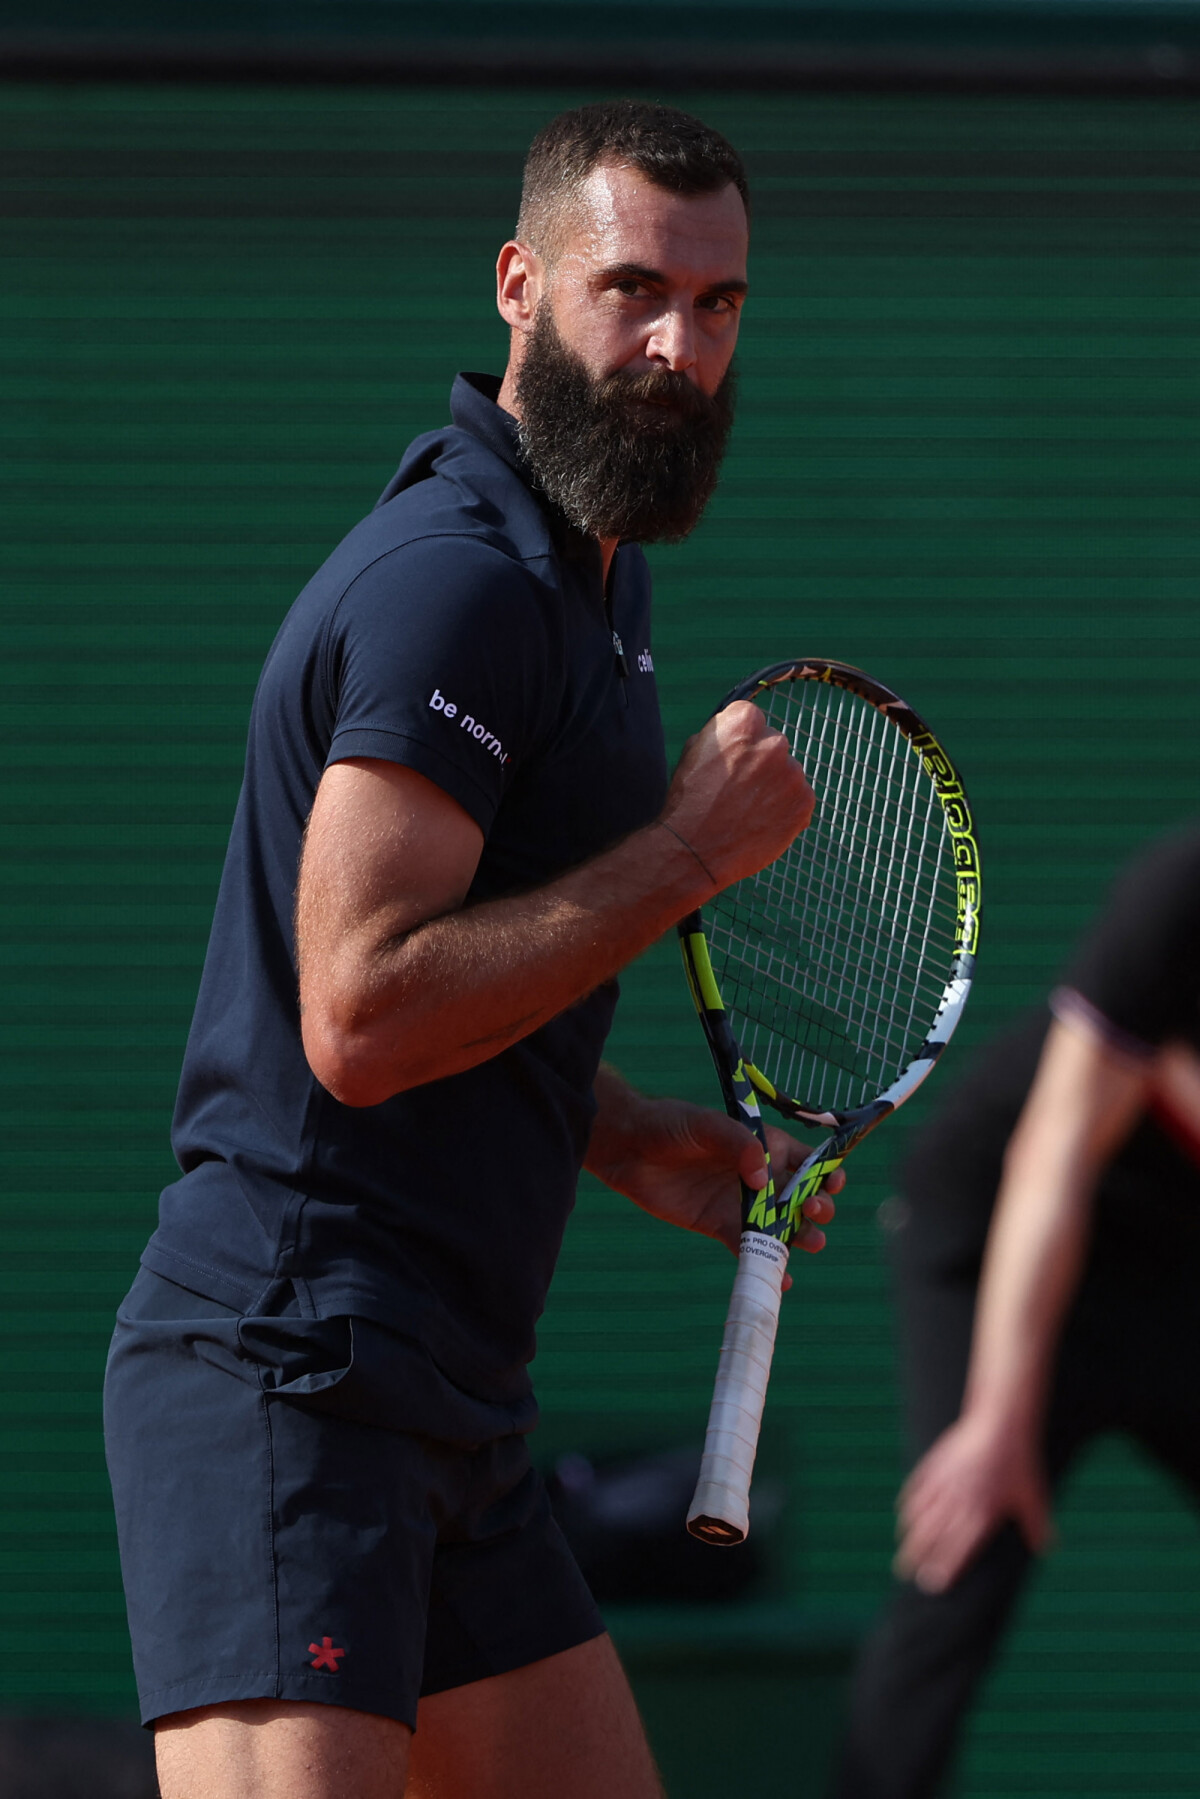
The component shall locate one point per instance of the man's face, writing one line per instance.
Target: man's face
(624, 391)
(649, 280)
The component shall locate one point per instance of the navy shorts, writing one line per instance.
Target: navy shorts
(279, 1542)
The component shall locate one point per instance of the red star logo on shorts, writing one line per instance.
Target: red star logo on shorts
(325, 1655)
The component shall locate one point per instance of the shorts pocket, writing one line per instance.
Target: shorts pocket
(298, 1358)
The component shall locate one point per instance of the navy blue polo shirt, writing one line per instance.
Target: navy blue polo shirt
(462, 630)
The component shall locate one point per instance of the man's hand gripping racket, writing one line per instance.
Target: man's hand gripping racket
(827, 984)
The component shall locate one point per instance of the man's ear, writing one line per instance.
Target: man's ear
(520, 283)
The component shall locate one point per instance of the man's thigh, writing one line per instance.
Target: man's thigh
(566, 1727)
(562, 1728)
(280, 1749)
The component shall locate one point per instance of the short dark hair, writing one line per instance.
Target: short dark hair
(672, 149)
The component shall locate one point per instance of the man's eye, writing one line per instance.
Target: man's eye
(718, 303)
(630, 287)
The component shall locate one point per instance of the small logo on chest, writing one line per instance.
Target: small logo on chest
(645, 662)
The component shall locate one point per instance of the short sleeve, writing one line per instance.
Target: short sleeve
(1137, 971)
(442, 658)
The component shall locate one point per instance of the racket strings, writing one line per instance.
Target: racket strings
(833, 960)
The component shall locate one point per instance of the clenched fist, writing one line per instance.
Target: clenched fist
(739, 797)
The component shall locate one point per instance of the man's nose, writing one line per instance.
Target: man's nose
(673, 340)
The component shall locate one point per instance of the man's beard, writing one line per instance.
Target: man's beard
(624, 456)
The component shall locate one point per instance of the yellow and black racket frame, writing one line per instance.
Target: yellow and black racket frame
(742, 1085)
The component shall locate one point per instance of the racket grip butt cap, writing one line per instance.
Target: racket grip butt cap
(713, 1530)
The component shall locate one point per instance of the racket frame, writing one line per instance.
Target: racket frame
(720, 1510)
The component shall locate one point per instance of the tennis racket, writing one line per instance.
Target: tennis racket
(827, 985)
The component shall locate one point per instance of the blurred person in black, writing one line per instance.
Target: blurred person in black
(1047, 1253)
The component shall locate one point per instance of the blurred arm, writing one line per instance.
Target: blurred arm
(987, 1466)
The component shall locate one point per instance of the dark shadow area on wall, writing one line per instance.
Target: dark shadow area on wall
(1137, 45)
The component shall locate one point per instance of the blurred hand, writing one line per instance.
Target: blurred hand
(976, 1476)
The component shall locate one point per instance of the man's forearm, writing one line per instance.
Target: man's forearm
(1083, 1102)
(461, 988)
(621, 1112)
(1034, 1258)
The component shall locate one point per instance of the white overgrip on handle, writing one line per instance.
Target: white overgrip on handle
(720, 1511)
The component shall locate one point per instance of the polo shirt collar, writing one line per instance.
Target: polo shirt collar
(474, 407)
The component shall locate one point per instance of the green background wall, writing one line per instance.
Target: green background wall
(967, 458)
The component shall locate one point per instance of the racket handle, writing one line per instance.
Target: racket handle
(720, 1511)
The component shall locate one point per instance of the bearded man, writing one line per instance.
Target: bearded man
(456, 827)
